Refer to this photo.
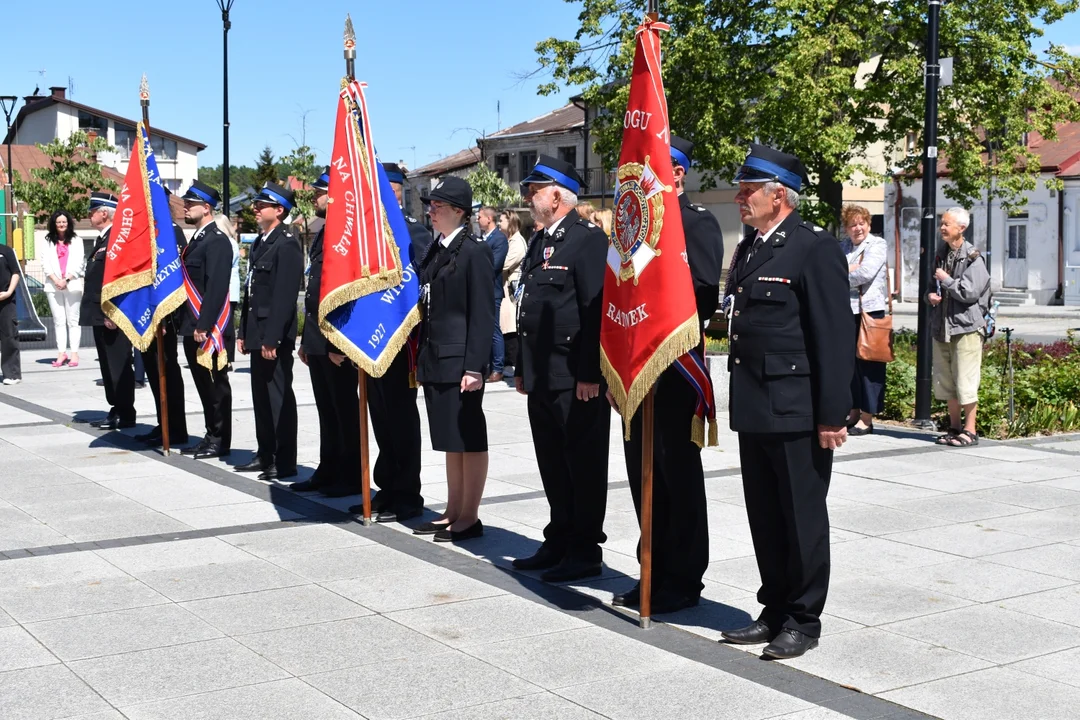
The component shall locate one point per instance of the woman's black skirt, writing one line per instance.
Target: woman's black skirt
(455, 419)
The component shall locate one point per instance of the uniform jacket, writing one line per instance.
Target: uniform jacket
(208, 261)
(499, 247)
(560, 307)
(705, 255)
(268, 302)
(792, 349)
(965, 296)
(313, 341)
(872, 275)
(90, 313)
(459, 314)
(419, 241)
(50, 263)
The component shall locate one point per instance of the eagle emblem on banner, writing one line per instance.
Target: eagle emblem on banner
(639, 213)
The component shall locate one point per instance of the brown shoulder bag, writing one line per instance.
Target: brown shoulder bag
(875, 336)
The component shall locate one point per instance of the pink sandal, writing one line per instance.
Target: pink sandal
(73, 364)
(59, 362)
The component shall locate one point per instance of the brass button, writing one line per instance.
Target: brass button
(737, 361)
(739, 290)
(734, 337)
(736, 313)
(524, 334)
(567, 338)
(768, 293)
(792, 367)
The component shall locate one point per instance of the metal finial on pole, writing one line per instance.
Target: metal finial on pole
(350, 48)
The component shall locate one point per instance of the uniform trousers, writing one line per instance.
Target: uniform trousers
(215, 394)
(680, 512)
(338, 405)
(117, 371)
(174, 383)
(274, 403)
(10, 356)
(395, 420)
(785, 483)
(571, 442)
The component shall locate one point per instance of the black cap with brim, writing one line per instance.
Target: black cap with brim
(394, 173)
(765, 164)
(451, 190)
(550, 170)
(276, 195)
(102, 199)
(323, 181)
(682, 151)
(200, 192)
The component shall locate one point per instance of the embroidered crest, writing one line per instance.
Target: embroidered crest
(639, 217)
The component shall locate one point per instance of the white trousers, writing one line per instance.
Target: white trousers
(65, 312)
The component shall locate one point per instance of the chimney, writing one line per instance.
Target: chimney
(58, 92)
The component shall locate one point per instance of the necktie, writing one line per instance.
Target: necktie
(753, 248)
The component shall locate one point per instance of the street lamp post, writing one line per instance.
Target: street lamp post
(225, 6)
(924, 348)
(7, 103)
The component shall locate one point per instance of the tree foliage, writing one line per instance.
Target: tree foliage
(66, 184)
(266, 169)
(833, 82)
(240, 178)
(489, 188)
(300, 164)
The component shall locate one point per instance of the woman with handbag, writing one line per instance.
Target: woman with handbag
(868, 278)
(510, 224)
(63, 259)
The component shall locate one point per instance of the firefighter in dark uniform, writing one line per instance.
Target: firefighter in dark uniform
(113, 346)
(792, 355)
(208, 264)
(174, 378)
(395, 417)
(680, 512)
(558, 367)
(333, 383)
(268, 332)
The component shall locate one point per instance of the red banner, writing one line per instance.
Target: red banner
(129, 259)
(360, 254)
(650, 316)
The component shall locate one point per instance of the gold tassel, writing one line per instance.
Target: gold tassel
(697, 431)
(713, 439)
(412, 380)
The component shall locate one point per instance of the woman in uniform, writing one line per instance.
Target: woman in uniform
(455, 345)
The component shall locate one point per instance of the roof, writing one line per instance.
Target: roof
(33, 105)
(564, 119)
(462, 159)
(1060, 156)
(25, 158)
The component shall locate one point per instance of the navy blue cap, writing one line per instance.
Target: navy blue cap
(276, 195)
(102, 199)
(200, 192)
(323, 181)
(682, 151)
(451, 190)
(552, 170)
(764, 164)
(394, 173)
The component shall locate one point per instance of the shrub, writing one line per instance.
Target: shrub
(41, 304)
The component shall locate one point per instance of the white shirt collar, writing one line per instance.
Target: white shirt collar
(445, 242)
(554, 226)
(105, 229)
(487, 234)
(768, 233)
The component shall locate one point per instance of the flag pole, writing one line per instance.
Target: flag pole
(647, 422)
(159, 333)
(361, 376)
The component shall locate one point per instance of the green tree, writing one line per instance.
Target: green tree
(300, 164)
(489, 189)
(240, 178)
(266, 169)
(73, 173)
(830, 80)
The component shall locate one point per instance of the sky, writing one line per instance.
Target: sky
(432, 67)
(435, 70)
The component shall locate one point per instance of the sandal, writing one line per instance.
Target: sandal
(946, 439)
(964, 439)
(59, 362)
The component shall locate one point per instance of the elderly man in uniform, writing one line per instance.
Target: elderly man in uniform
(680, 511)
(395, 417)
(333, 383)
(207, 264)
(268, 332)
(791, 361)
(113, 346)
(558, 367)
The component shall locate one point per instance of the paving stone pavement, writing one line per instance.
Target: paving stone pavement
(139, 586)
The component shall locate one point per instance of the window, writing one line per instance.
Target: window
(502, 166)
(569, 155)
(526, 161)
(125, 139)
(88, 122)
(173, 185)
(1017, 241)
(164, 148)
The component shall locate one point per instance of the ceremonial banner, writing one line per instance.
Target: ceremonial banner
(650, 315)
(143, 281)
(367, 311)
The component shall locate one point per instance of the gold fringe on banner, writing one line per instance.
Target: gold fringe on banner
(393, 344)
(681, 340)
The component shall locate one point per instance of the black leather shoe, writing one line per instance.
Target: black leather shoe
(856, 431)
(545, 558)
(255, 465)
(151, 438)
(631, 598)
(339, 490)
(473, 531)
(789, 644)
(274, 473)
(428, 528)
(107, 420)
(308, 485)
(572, 569)
(755, 633)
(400, 514)
(211, 450)
(115, 424)
(669, 601)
